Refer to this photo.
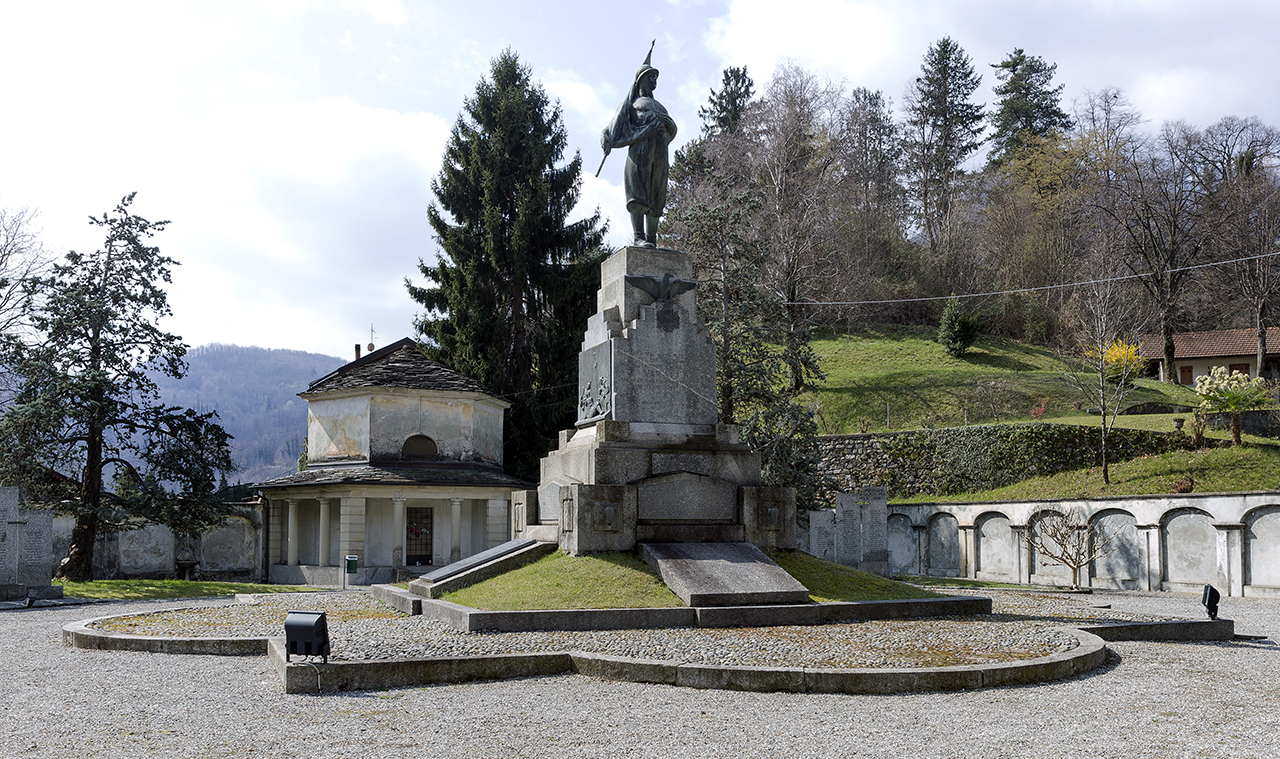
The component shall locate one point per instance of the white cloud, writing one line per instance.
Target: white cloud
(391, 12)
(846, 39)
(586, 101)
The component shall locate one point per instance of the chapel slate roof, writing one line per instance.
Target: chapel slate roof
(372, 475)
(400, 365)
(1218, 343)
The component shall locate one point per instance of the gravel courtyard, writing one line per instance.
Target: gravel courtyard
(1152, 699)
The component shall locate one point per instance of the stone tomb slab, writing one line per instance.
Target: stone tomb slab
(479, 559)
(722, 574)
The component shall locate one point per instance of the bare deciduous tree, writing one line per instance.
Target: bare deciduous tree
(1070, 539)
(21, 258)
(1106, 318)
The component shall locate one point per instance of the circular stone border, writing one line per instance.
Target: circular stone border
(309, 677)
(82, 635)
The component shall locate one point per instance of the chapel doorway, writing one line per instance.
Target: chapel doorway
(417, 539)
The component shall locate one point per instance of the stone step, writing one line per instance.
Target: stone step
(722, 574)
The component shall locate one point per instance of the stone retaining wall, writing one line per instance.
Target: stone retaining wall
(981, 457)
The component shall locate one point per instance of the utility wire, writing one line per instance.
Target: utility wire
(1021, 290)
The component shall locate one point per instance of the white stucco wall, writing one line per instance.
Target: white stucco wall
(338, 428)
(463, 428)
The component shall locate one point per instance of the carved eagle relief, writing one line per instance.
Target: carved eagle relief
(663, 290)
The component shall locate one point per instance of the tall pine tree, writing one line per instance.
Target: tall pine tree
(1028, 105)
(512, 290)
(944, 128)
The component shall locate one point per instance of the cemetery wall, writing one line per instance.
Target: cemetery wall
(231, 552)
(1166, 542)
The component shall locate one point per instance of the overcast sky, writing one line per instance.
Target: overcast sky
(292, 143)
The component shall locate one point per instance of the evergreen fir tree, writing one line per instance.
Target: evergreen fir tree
(511, 293)
(956, 330)
(88, 406)
(1028, 105)
(724, 109)
(944, 128)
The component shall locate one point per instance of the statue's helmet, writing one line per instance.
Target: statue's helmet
(647, 66)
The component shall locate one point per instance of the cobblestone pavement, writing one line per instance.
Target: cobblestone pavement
(1152, 699)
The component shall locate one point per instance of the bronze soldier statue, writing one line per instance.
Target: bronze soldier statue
(642, 125)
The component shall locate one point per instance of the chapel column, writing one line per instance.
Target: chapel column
(293, 532)
(397, 531)
(455, 529)
(323, 553)
(351, 528)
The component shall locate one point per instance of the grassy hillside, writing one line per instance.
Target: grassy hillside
(903, 369)
(892, 377)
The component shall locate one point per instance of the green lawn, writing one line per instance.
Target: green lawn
(894, 377)
(623, 581)
(134, 590)
(559, 581)
(832, 582)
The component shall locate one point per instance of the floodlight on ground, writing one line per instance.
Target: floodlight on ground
(306, 633)
(1210, 601)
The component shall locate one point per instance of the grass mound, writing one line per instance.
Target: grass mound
(833, 582)
(559, 581)
(623, 581)
(139, 590)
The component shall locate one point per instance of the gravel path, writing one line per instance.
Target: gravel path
(1167, 700)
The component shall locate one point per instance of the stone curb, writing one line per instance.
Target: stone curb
(466, 619)
(398, 598)
(378, 674)
(80, 635)
(1182, 629)
(308, 677)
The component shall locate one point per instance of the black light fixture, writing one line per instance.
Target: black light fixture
(1210, 601)
(306, 633)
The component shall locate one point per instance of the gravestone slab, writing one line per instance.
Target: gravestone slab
(9, 545)
(26, 550)
(722, 574)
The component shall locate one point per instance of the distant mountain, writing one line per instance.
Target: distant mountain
(254, 391)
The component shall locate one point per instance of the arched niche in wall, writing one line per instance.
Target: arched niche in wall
(418, 448)
(1122, 564)
(1045, 570)
(995, 545)
(1190, 547)
(902, 545)
(1262, 547)
(944, 546)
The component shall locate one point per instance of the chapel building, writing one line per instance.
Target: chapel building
(403, 471)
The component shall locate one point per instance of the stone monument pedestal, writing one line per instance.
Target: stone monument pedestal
(647, 461)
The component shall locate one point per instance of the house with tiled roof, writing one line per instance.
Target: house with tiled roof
(403, 470)
(1196, 353)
